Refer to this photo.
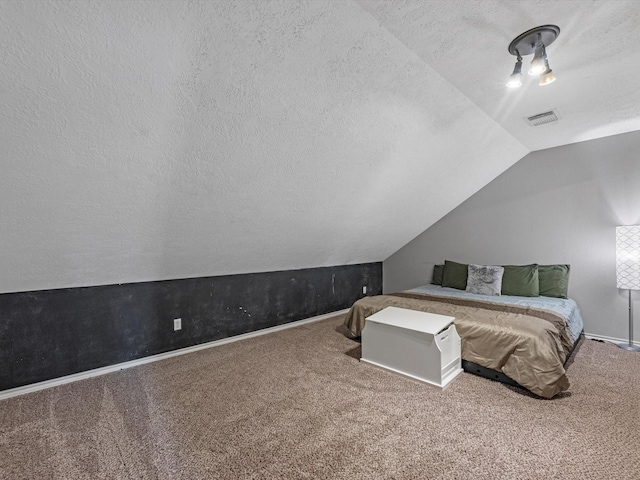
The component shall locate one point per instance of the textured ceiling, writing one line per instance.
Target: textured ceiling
(154, 140)
(594, 59)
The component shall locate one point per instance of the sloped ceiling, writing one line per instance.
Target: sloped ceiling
(595, 60)
(155, 140)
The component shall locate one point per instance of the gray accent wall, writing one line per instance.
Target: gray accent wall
(559, 205)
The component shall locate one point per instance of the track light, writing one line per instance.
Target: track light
(534, 41)
(515, 80)
(547, 76)
(537, 64)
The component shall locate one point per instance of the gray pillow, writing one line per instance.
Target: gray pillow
(485, 279)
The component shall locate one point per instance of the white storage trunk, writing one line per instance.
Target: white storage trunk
(420, 345)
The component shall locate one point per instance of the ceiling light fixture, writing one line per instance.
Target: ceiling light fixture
(533, 41)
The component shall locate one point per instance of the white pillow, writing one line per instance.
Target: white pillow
(484, 279)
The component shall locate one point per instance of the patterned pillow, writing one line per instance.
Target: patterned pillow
(484, 279)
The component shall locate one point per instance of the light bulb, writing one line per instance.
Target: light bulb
(537, 64)
(537, 67)
(515, 80)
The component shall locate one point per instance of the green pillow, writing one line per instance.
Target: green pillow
(454, 275)
(521, 280)
(554, 280)
(437, 274)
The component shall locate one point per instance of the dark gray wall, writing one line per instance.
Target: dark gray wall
(559, 205)
(51, 333)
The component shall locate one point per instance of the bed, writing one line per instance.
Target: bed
(524, 341)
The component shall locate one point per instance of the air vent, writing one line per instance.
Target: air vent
(542, 118)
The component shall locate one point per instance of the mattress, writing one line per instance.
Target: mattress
(566, 307)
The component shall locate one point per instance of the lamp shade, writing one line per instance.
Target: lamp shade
(547, 77)
(628, 257)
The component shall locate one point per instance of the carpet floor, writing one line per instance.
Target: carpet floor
(298, 404)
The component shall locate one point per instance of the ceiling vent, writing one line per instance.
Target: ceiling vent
(543, 118)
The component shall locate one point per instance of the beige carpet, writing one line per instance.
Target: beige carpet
(298, 404)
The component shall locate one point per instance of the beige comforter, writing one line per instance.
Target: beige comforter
(527, 344)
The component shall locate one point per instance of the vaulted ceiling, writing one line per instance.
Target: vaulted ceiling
(147, 140)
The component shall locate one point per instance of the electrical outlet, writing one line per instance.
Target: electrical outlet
(364, 289)
(177, 324)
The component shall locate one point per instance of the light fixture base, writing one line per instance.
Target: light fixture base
(525, 43)
(631, 348)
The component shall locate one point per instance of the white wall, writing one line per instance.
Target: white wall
(150, 139)
(559, 205)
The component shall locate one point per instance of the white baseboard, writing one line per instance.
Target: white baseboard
(34, 387)
(610, 339)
